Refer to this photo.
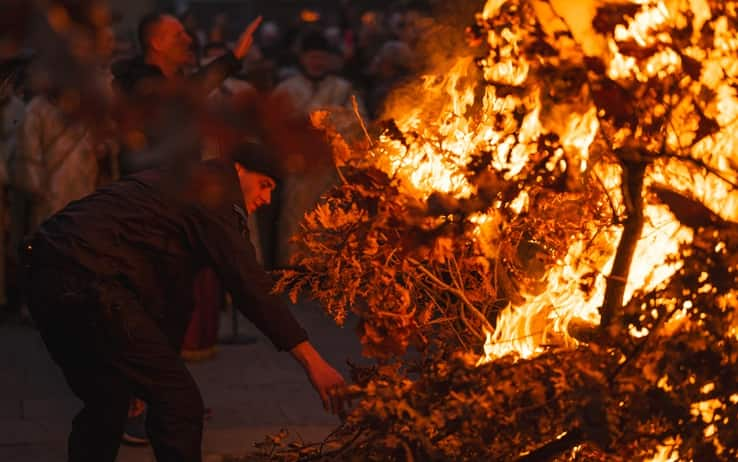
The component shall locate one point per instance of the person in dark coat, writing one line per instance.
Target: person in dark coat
(158, 98)
(110, 288)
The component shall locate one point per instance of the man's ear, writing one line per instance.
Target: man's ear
(156, 42)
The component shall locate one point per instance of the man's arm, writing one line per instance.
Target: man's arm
(234, 260)
(212, 75)
(217, 227)
(326, 380)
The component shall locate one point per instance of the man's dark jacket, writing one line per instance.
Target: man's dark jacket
(134, 77)
(161, 114)
(157, 228)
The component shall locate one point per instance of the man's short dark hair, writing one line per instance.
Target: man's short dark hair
(258, 158)
(146, 29)
(314, 40)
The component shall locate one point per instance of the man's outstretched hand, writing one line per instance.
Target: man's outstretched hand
(246, 39)
(327, 381)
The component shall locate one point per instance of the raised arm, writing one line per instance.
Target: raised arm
(212, 75)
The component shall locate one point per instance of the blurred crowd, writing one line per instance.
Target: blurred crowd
(349, 61)
(370, 50)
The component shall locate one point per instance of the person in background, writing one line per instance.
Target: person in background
(197, 34)
(314, 88)
(58, 154)
(12, 112)
(219, 29)
(270, 41)
(56, 161)
(370, 36)
(335, 41)
(231, 86)
(107, 146)
(159, 132)
(262, 73)
(392, 65)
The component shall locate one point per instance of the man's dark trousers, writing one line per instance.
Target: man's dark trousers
(109, 348)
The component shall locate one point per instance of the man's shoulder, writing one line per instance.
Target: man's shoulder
(128, 74)
(213, 184)
(207, 187)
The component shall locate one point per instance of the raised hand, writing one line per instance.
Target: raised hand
(246, 39)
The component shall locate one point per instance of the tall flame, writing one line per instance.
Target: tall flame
(448, 127)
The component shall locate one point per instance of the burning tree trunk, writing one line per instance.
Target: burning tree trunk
(634, 170)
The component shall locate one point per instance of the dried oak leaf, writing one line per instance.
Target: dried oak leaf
(611, 15)
(632, 48)
(707, 127)
(688, 211)
(691, 66)
(615, 100)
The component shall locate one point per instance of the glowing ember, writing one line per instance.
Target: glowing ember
(666, 453)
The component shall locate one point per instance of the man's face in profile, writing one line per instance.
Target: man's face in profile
(256, 188)
(172, 41)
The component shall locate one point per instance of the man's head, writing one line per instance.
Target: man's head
(315, 55)
(105, 43)
(256, 187)
(258, 171)
(269, 34)
(165, 39)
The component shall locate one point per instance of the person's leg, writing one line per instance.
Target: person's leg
(97, 429)
(62, 312)
(193, 335)
(159, 376)
(217, 297)
(175, 418)
(202, 331)
(108, 347)
(3, 251)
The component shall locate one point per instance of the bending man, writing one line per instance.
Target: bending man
(110, 290)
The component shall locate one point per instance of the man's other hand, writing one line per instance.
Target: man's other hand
(246, 39)
(325, 379)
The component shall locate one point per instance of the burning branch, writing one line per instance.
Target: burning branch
(634, 171)
(513, 207)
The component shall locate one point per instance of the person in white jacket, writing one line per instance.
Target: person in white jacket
(55, 162)
(314, 88)
(58, 156)
(12, 111)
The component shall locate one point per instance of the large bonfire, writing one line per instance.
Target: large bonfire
(539, 242)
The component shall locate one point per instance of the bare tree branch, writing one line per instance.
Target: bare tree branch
(633, 176)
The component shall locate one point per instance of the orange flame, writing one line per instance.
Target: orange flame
(442, 133)
(544, 319)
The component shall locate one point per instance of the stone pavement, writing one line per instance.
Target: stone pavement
(253, 390)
